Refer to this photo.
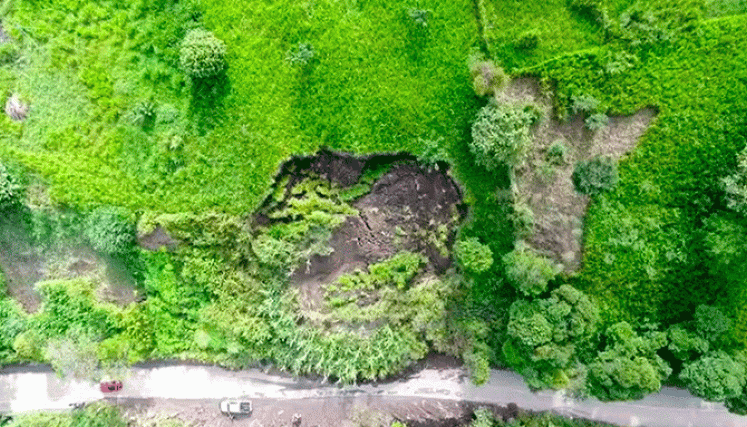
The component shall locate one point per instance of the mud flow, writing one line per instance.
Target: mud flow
(408, 208)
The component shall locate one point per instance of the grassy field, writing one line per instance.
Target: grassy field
(114, 121)
(377, 82)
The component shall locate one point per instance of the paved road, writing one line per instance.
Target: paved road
(22, 391)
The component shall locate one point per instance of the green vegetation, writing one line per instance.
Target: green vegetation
(202, 55)
(473, 255)
(595, 175)
(9, 189)
(501, 134)
(97, 414)
(484, 417)
(528, 271)
(176, 115)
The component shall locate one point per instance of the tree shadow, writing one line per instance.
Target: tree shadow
(208, 97)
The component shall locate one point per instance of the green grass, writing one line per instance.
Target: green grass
(560, 30)
(375, 84)
(657, 268)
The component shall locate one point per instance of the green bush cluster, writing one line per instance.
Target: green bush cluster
(109, 231)
(9, 189)
(528, 271)
(487, 77)
(501, 135)
(547, 337)
(97, 414)
(595, 175)
(629, 367)
(473, 255)
(528, 40)
(301, 54)
(202, 55)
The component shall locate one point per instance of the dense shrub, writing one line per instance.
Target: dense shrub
(529, 272)
(109, 231)
(735, 185)
(202, 55)
(483, 417)
(684, 344)
(96, 414)
(710, 322)
(714, 377)
(419, 16)
(501, 134)
(629, 366)
(596, 121)
(473, 255)
(595, 175)
(12, 323)
(487, 77)
(584, 104)
(528, 40)
(557, 154)
(144, 114)
(301, 54)
(9, 189)
(547, 334)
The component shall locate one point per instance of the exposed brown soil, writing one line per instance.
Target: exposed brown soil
(24, 265)
(403, 211)
(353, 411)
(156, 239)
(547, 189)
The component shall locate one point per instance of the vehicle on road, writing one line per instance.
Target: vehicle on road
(235, 407)
(110, 386)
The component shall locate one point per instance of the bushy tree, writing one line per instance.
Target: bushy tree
(714, 377)
(684, 344)
(487, 77)
(473, 255)
(527, 271)
(710, 322)
(202, 55)
(109, 231)
(629, 367)
(545, 335)
(595, 175)
(501, 134)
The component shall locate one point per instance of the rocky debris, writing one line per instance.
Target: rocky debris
(15, 108)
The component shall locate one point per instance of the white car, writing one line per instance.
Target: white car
(235, 407)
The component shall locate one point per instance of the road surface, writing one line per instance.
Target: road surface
(23, 390)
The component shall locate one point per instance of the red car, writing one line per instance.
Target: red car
(110, 386)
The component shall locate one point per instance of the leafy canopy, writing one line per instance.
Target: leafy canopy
(202, 55)
(501, 134)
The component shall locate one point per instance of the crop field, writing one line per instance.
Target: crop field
(340, 191)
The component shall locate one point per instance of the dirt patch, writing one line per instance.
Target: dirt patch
(157, 239)
(24, 264)
(547, 188)
(350, 411)
(407, 209)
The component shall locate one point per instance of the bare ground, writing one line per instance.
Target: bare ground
(547, 189)
(353, 411)
(403, 211)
